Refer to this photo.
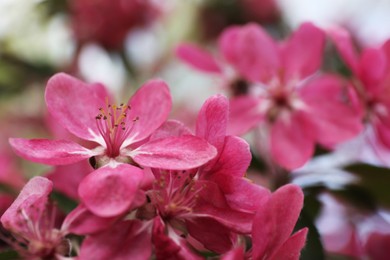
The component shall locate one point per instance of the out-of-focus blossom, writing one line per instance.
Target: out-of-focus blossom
(278, 89)
(261, 10)
(108, 22)
(31, 223)
(371, 77)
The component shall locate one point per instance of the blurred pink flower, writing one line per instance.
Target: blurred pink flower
(108, 22)
(371, 77)
(277, 88)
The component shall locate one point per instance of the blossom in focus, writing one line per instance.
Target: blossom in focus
(108, 22)
(30, 223)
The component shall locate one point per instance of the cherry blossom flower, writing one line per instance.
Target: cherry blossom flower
(108, 22)
(30, 221)
(371, 75)
(85, 112)
(281, 92)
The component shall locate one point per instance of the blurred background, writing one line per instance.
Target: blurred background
(122, 43)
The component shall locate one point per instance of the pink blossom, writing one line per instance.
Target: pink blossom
(281, 92)
(118, 131)
(371, 74)
(210, 202)
(31, 223)
(108, 22)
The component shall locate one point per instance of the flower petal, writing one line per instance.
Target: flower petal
(125, 240)
(66, 178)
(244, 115)
(108, 191)
(275, 220)
(75, 104)
(81, 221)
(291, 249)
(170, 128)
(302, 52)
(51, 152)
(150, 107)
(32, 200)
(251, 51)
(197, 58)
(174, 153)
(334, 119)
(212, 120)
(292, 141)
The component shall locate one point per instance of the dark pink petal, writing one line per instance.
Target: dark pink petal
(275, 220)
(66, 178)
(291, 249)
(234, 254)
(302, 52)
(240, 192)
(197, 58)
(81, 221)
(75, 104)
(212, 234)
(175, 153)
(125, 240)
(335, 120)
(170, 128)
(292, 141)
(251, 51)
(373, 69)
(52, 152)
(167, 247)
(35, 193)
(212, 121)
(342, 40)
(244, 115)
(212, 203)
(150, 107)
(377, 246)
(233, 160)
(109, 191)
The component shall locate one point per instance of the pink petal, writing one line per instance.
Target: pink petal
(212, 121)
(244, 115)
(373, 70)
(167, 247)
(234, 159)
(212, 203)
(334, 119)
(383, 133)
(75, 104)
(234, 254)
(52, 152)
(197, 58)
(292, 141)
(275, 220)
(251, 50)
(170, 128)
(291, 249)
(238, 192)
(212, 234)
(81, 221)
(174, 153)
(125, 240)
(66, 179)
(151, 105)
(302, 52)
(35, 193)
(108, 191)
(342, 40)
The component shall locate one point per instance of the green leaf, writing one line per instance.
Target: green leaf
(9, 255)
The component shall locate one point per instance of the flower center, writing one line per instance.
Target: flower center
(114, 127)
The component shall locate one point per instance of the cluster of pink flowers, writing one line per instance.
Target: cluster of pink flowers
(150, 187)
(157, 189)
